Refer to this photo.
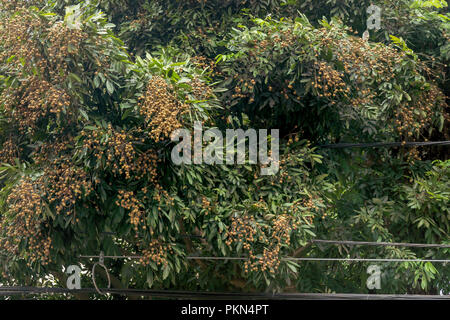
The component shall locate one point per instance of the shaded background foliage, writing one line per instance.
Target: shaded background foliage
(90, 91)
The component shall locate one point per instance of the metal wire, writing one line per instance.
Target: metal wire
(9, 291)
(368, 260)
(390, 244)
(327, 259)
(384, 144)
(112, 257)
(287, 258)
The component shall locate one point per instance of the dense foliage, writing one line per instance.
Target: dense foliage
(90, 92)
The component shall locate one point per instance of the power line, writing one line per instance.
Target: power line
(9, 291)
(390, 244)
(327, 259)
(286, 258)
(369, 260)
(384, 144)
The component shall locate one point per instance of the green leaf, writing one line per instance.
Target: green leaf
(109, 87)
(150, 278)
(166, 271)
(84, 114)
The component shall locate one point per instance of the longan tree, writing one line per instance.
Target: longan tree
(90, 92)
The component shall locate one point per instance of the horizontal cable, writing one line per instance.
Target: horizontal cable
(287, 258)
(218, 295)
(390, 244)
(384, 144)
(327, 259)
(112, 257)
(368, 260)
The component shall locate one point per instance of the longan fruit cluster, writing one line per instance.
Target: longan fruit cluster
(270, 261)
(53, 149)
(36, 100)
(329, 81)
(274, 38)
(411, 119)
(247, 89)
(10, 4)
(129, 202)
(245, 230)
(413, 155)
(206, 204)
(65, 185)
(361, 57)
(57, 99)
(283, 173)
(281, 229)
(120, 149)
(157, 252)
(242, 229)
(354, 60)
(261, 48)
(120, 153)
(17, 4)
(200, 90)
(296, 207)
(39, 94)
(359, 60)
(8, 152)
(65, 40)
(239, 93)
(354, 52)
(206, 63)
(161, 109)
(276, 238)
(161, 194)
(95, 145)
(16, 40)
(146, 165)
(288, 91)
(24, 221)
(286, 38)
(366, 60)
(308, 203)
